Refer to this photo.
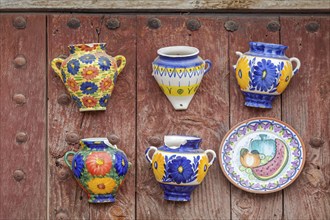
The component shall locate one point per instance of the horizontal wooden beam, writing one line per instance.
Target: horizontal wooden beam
(173, 5)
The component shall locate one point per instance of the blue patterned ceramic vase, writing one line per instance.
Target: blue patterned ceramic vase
(179, 71)
(179, 166)
(99, 168)
(264, 72)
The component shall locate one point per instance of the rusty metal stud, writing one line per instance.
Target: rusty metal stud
(312, 27)
(112, 23)
(274, 26)
(193, 24)
(231, 26)
(19, 99)
(114, 139)
(21, 137)
(73, 23)
(155, 141)
(19, 22)
(316, 142)
(19, 61)
(154, 23)
(72, 138)
(18, 175)
(63, 99)
(61, 216)
(63, 174)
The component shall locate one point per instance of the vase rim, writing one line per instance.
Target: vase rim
(87, 44)
(175, 141)
(98, 139)
(178, 51)
(269, 45)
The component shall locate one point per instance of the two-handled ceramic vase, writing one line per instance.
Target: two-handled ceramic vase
(180, 165)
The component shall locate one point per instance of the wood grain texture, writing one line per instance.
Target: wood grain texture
(247, 205)
(66, 198)
(305, 106)
(206, 117)
(25, 197)
(166, 5)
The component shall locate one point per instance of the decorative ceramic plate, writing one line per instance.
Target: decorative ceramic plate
(262, 155)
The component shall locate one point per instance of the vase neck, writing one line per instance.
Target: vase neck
(93, 47)
(267, 49)
(95, 143)
(183, 142)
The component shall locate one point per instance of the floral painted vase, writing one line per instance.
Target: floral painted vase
(179, 166)
(264, 72)
(99, 168)
(179, 71)
(89, 74)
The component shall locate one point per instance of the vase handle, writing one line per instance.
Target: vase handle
(213, 156)
(122, 63)
(147, 153)
(297, 61)
(66, 158)
(240, 54)
(57, 70)
(209, 65)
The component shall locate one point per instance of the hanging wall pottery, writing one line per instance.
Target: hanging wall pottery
(89, 74)
(262, 155)
(264, 72)
(179, 71)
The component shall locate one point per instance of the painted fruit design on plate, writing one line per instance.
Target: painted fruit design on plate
(275, 165)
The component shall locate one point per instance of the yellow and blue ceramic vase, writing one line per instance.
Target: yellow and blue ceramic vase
(264, 72)
(180, 165)
(89, 74)
(99, 168)
(179, 71)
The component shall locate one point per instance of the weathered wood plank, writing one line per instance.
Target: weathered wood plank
(23, 119)
(247, 205)
(306, 107)
(167, 5)
(66, 198)
(207, 116)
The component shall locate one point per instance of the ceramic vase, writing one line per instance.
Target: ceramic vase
(264, 72)
(180, 165)
(179, 71)
(89, 74)
(99, 168)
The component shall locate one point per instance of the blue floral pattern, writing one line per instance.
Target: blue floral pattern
(180, 169)
(88, 87)
(73, 66)
(104, 100)
(104, 63)
(265, 75)
(63, 75)
(77, 100)
(88, 58)
(77, 165)
(121, 164)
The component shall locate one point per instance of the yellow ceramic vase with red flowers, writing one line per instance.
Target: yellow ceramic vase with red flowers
(89, 74)
(99, 168)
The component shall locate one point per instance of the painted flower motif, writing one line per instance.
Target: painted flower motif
(285, 78)
(103, 185)
(77, 165)
(242, 73)
(264, 75)
(73, 66)
(98, 163)
(63, 76)
(104, 63)
(87, 58)
(77, 101)
(158, 166)
(72, 49)
(202, 168)
(180, 169)
(90, 72)
(89, 101)
(73, 85)
(88, 87)
(121, 164)
(104, 100)
(105, 84)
